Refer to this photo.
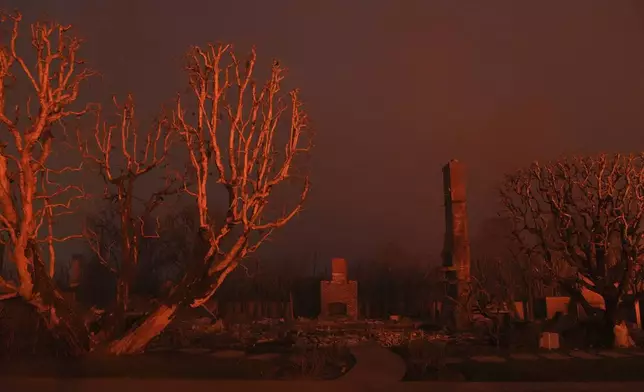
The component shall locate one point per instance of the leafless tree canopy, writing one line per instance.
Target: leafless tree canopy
(123, 154)
(579, 220)
(29, 197)
(241, 139)
(245, 139)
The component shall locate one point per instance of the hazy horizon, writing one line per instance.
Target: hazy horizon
(395, 90)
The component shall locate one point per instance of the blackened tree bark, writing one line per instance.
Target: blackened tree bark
(579, 222)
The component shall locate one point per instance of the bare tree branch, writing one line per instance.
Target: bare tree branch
(580, 221)
(236, 138)
(246, 140)
(55, 78)
(123, 155)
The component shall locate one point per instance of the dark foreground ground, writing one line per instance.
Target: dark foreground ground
(435, 366)
(196, 367)
(175, 365)
(164, 385)
(545, 370)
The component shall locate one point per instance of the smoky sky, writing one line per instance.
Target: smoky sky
(395, 89)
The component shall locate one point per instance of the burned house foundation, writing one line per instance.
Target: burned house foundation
(339, 296)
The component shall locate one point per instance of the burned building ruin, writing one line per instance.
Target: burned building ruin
(339, 296)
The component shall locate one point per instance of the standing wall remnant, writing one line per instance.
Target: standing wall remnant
(456, 251)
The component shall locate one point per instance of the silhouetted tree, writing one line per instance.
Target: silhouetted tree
(233, 134)
(160, 258)
(124, 155)
(579, 222)
(29, 195)
(237, 142)
(499, 260)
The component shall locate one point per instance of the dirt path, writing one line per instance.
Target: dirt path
(375, 365)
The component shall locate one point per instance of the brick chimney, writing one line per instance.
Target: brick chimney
(339, 296)
(339, 270)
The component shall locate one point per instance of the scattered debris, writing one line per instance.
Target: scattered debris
(275, 336)
(549, 341)
(202, 321)
(622, 336)
(205, 325)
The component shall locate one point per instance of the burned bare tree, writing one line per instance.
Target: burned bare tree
(237, 142)
(579, 221)
(29, 197)
(501, 263)
(494, 285)
(124, 155)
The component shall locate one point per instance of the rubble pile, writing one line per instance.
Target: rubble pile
(328, 340)
(397, 338)
(305, 334)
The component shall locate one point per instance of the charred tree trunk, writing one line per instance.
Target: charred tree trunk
(115, 325)
(128, 240)
(58, 314)
(195, 282)
(115, 321)
(138, 338)
(2, 248)
(609, 321)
